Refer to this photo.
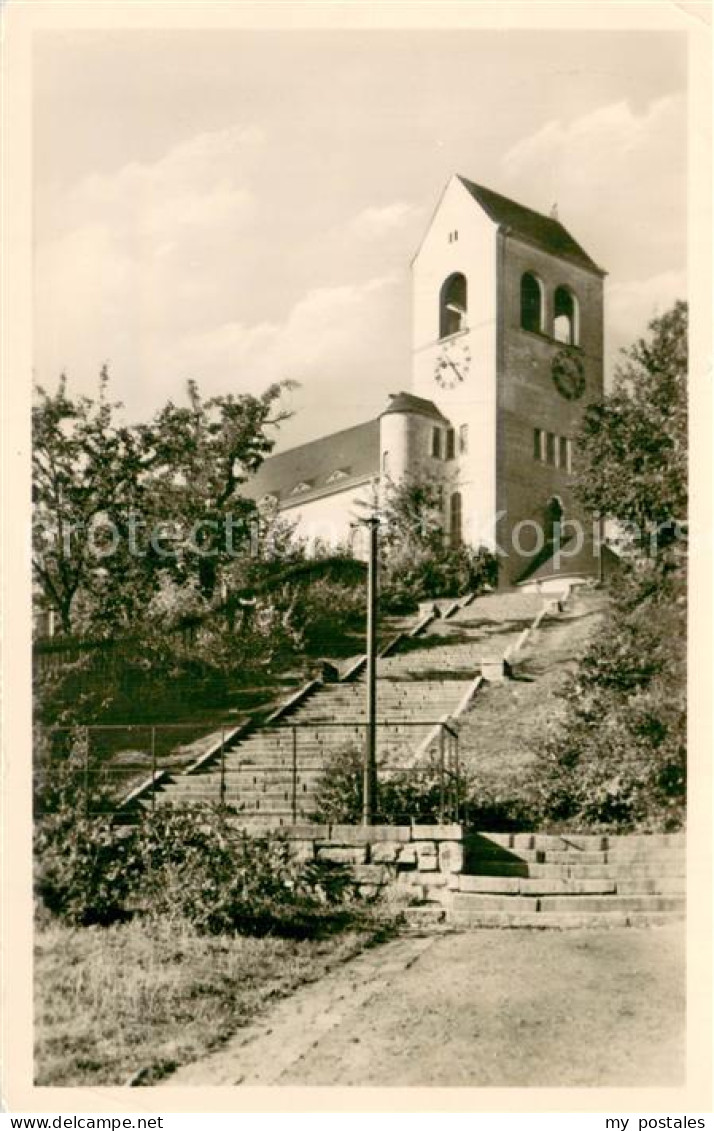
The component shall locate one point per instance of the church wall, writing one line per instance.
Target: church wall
(328, 519)
(528, 397)
(406, 438)
(472, 403)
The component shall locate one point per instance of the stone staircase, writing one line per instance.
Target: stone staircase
(271, 776)
(262, 773)
(539, 880)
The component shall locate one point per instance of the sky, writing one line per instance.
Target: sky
(240, 207)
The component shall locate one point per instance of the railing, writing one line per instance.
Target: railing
(274, 779)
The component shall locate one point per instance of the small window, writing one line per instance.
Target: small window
(455, 519)
(550, 448)
(537, 444)
(385, 462)
(450, 443)
(568, 465)
(566, 326)
(452, 305)
(335, 477)
(464, 439)
(531, 303)
(436, 443)
(563, 452)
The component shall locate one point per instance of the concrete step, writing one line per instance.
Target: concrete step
(605, 871)
(551, 921)
(659, 885)
(627, 903)
(520, 910)
(515, 885)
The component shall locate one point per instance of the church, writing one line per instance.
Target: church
(507, 352)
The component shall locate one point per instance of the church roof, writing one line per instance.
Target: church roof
(333, 462)
(534, 227)
(407, 402)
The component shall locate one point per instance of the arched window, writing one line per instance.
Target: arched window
(566, 317)
(453, 305)
(455, 516)
(531, 303)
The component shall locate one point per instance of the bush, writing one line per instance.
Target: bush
(422, 573)
(85, 867)
(192, 863)
(619, 760)
(326, 614)
(402, 796)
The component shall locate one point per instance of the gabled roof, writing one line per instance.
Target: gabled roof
(354, 451)
(544, 231)
(407, 402)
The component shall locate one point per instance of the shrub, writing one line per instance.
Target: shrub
(411, 794)
(85, 867)
(191, 863)
(619, 760)
(420, 573)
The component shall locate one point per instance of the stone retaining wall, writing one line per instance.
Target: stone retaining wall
(398, 857)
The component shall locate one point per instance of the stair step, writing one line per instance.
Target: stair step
(627, 903)
(552, 921)
(515, 885)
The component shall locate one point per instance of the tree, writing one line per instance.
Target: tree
(117, 507)
(195, 461)
(418, 562)
(620, 758)
(85, 470)
(633, 444)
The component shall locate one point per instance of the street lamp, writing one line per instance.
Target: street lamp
(369, 789)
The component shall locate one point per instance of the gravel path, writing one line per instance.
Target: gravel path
(480, 1008)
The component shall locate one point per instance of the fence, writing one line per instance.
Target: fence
(271, 775)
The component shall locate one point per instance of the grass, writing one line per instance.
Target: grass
(140, 998)
(503, 732)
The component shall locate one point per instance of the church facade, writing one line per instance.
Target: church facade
(507, 352)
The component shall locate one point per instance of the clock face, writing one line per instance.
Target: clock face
(452, 363)
(568, 375)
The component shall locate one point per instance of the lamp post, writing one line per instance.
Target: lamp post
(370, 752)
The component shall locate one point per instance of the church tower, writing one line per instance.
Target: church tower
(508, 344)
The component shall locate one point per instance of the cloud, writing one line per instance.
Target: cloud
(375, 223)
(630, 306)
(327, 343)
(612, 162)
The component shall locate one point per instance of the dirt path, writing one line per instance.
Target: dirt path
(480, 1008)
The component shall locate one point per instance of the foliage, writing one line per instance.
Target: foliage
(85, 472)
(85, 866)
(193, 863)
(633, 445)
(325, 614)
(118, 507)
(620, 759)
(403, 795)
(444, 572)
(195, 461)
(210, 873)
(418, 562)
